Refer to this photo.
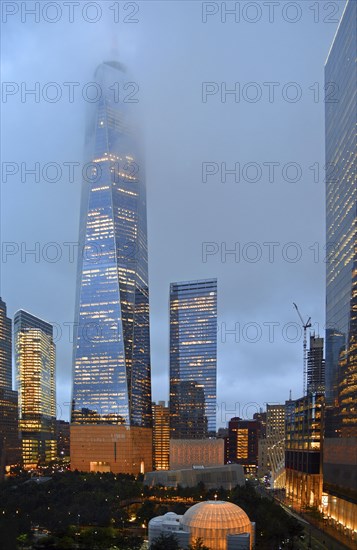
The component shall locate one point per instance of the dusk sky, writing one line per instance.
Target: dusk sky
(272, 131)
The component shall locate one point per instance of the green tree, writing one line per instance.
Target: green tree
(165, 542)
(147, 511)
(162, 509)
(273, 524)
(197, 544)
(179, 508)
(128, 542)
(65, 543)
(23, 541)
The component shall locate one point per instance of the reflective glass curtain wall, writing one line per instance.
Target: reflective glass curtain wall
(193, 359)
(341, 210)
(35, 358)
(111, 356)
(5, 348)
(340, 443)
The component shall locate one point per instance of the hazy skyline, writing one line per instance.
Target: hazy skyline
(183, 128)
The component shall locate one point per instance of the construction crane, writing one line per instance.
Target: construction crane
(305, 326)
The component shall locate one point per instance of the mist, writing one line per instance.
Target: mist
(231, 111)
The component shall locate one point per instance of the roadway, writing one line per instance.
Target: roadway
(318, 540)
(314, 538)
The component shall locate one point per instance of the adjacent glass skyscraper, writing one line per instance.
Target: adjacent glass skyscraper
(193, 359)
(303, 445)
(341, 194)
(9, 417)
(111, 358)
(35, 356)
(340, 445)
(5, 348)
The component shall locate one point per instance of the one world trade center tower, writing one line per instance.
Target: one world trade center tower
(111, 422)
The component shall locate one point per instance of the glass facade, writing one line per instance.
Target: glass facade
(35, 357)
(111, 357)
(341, 210)
(340, 471)
(303, 443)
(10, 451)
(316, 365)
(9, 416)
(303, 425)
(5, 348)
(193, 359)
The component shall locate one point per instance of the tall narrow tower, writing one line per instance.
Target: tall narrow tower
(35, 356)
(111, 424)
(5, 348)
(161, 436)
(9, 416)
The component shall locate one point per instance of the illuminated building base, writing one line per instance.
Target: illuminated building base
(341, 514)
(304, 489)
(111, 448)
(278, 479)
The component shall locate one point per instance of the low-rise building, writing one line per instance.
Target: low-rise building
(220, 525)
(228, 477)
(185, 453)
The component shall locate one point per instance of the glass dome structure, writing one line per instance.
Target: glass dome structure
(213, 520)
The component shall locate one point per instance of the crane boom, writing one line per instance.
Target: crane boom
(305, 326)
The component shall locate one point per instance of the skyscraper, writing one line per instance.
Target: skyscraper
(340, 445)
(242, 442)
(111, 424)
(161, 436)
(271, 448)
(5, 348)
(10, 446)
(62, 439)
(193, 359)
(316, 365)
(9, 417)
(35, 356)
(303, 444)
